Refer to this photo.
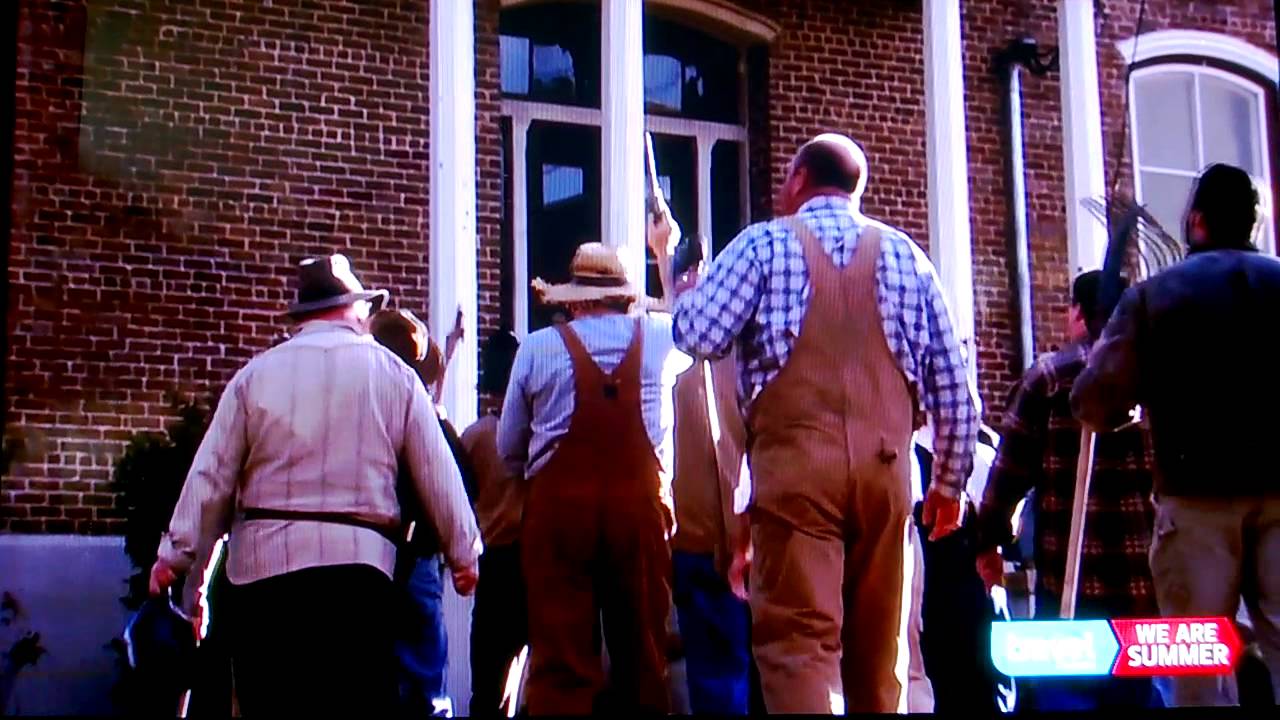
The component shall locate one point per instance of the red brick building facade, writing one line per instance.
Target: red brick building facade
(173, 160)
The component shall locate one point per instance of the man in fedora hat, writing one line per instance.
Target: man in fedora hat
(844, 340)
(587, 419)
(299, 466)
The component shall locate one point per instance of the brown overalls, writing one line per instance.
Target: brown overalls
(595, 544)
(830, 460)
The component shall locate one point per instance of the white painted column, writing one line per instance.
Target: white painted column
(452, 206)
(520, 224)
(704, 145)
(622, 64)
(1082, 149)
(948, 161)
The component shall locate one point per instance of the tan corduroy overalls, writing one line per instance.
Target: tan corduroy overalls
(594, 545)
(829, 452)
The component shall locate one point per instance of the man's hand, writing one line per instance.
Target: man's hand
(465, 580)
(162, 577)
(991, 568)
(663, 233)
(942, 514)
(458, 332)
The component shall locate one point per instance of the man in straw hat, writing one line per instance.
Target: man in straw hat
(843, 338)
(299, 465)
(587, 419)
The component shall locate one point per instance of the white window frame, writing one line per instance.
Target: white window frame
(1197, 71)
(523, 112)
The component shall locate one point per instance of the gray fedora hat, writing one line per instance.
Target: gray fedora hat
(327, 282)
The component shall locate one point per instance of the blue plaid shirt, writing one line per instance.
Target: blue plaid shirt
(757, 291)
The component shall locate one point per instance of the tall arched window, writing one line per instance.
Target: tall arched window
(695, 105)
(1189, 111)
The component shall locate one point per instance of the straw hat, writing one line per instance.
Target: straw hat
(596, 274)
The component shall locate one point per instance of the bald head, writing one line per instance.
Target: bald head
(829, 164)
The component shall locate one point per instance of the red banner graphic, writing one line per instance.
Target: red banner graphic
(1176, 646)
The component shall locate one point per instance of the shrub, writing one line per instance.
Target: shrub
(149, 478)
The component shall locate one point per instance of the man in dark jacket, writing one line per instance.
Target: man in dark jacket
(423, 642)
(1191, 347)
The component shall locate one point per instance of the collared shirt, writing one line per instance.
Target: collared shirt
(540, 397)
(318, 423)
(756, 294)
(1040, 449)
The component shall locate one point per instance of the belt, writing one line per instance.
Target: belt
(390, 531)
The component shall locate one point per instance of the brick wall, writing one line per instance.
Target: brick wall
(987, 27)
(854, 68)
(173, 161)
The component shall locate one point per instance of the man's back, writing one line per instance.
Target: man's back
(543, 378)
(325, 417)
(317, 425)
(1203, 352)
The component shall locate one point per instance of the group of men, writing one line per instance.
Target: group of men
(794, 368)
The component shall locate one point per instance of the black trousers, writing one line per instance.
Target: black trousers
(499, 627)
(315, 642)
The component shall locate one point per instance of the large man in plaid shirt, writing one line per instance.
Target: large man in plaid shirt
(1039, 450)
(844, 342)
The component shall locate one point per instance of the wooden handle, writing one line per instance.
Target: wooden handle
(1075, 542)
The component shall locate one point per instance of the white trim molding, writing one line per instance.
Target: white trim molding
(946, 148)
(452, 216)
(1082, 150)
(523, 112)
(1168, 43)
(723, 16)
(622, 124)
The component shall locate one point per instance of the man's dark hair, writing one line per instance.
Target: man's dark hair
(497, 354)
(1084, 293)
(827, 166)
(1227, 200)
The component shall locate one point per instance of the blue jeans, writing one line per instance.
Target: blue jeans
(423, 644)
(714, 627)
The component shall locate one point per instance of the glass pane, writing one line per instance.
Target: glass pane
(564, 164)
(515, 64)
(553, 71)
(1164, 105)
(726, 194)
(551, 53)
(1166, 197)
(1229, 114)
(662, 82)
(690, 73)
(560, 183)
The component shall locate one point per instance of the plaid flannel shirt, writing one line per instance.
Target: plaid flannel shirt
(1039, 449)
(757, 292)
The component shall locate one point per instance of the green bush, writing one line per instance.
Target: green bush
(149, 478)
